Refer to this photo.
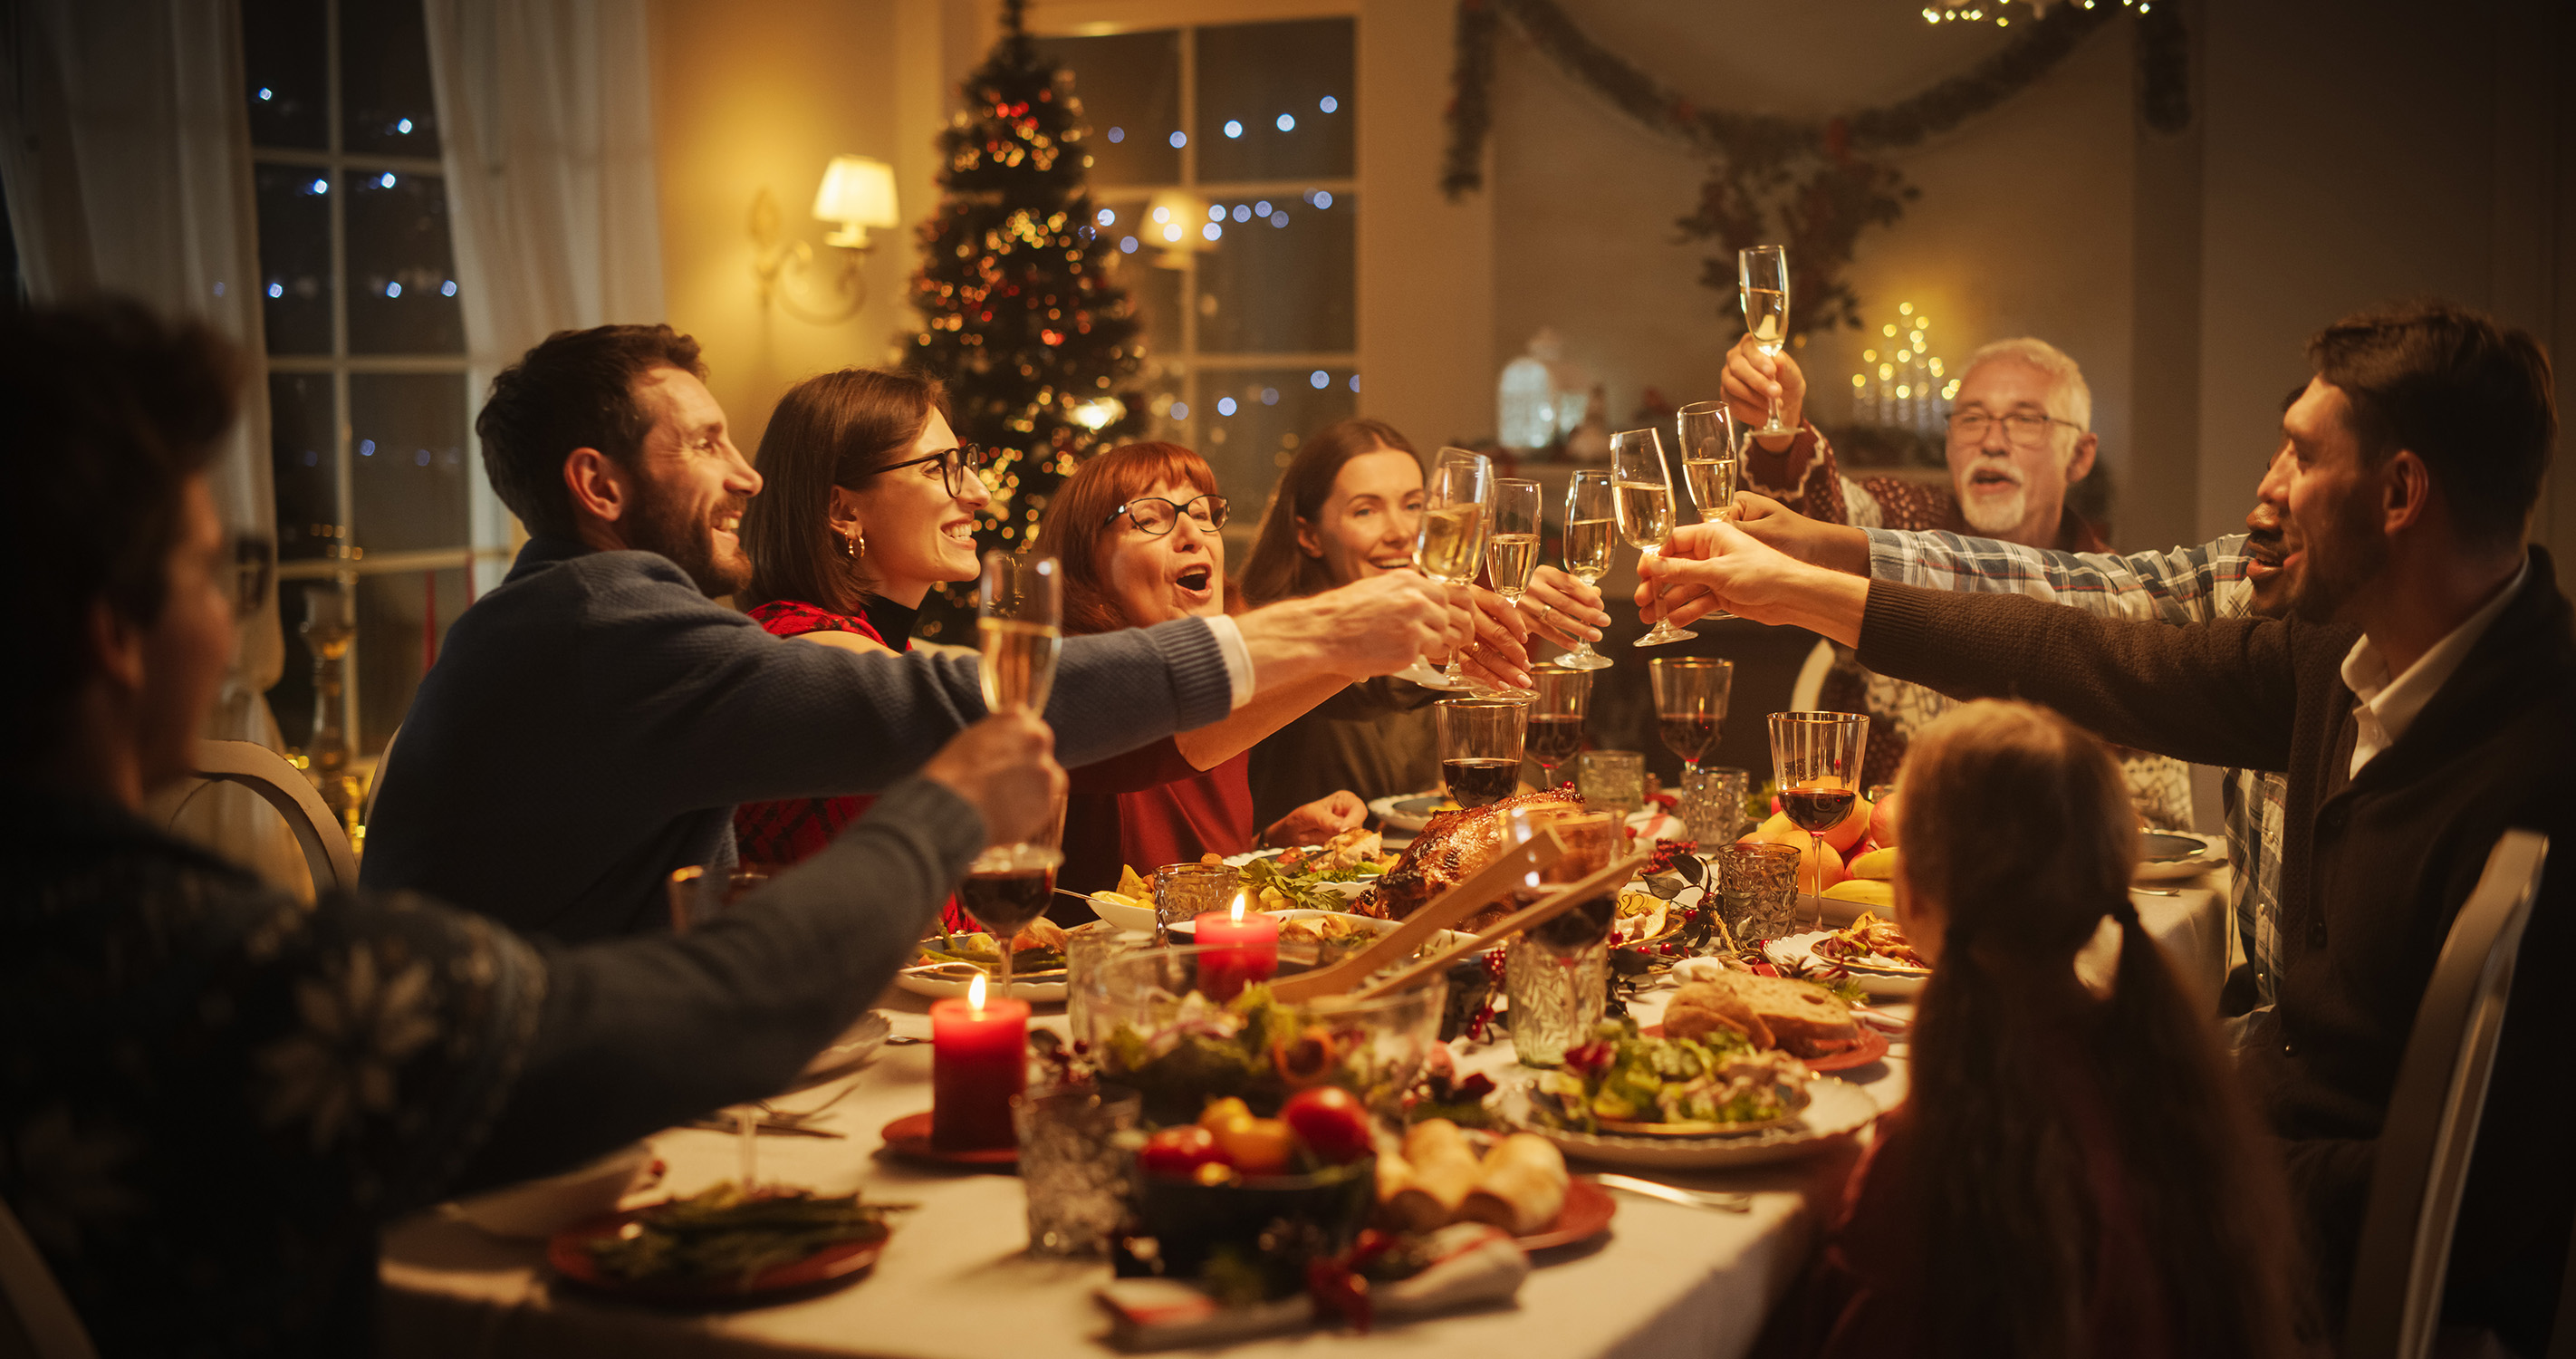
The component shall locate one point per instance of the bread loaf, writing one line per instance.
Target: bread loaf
(1523, 1188)
(1798, 1017)
(1445, 1171)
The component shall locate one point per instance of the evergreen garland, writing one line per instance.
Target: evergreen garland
(1805, 182)
(1023, 324)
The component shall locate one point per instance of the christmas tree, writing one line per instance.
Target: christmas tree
(1022, 323)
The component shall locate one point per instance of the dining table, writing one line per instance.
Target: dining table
(957, 1280)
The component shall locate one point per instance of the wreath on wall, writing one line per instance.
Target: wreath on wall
(1809, 183)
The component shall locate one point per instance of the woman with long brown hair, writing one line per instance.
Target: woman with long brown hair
(1347, 508)
(868, 502)
(2075, 1172)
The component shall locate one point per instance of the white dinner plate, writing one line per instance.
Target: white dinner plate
(1347, 891)
(1834, 1109)
(1798, 950)
(1406, 812)
(2165, 855)
(936, 987)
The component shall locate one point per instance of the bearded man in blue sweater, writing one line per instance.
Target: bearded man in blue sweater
(592, 722)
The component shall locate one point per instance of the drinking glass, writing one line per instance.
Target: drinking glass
(1480, 747)
(1019, 623)
(1644, 496)
(1186, 891)
(1762, 276)
(1451, 547)
(1076, 1146)
(1559, 693)
(1816, 758)
(1690, 703)
(1757, 892)
(1712, 805)
(1556, 976)
(1009, 886)
(1612, 780)
(1589, 519)
(1511, 552)
(1710, 453)
(1084, 952)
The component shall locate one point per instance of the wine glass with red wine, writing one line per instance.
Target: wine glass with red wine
(1020, 609)
(1816, 758)
(1690, 703)
(1480, 747)
(1555, 726)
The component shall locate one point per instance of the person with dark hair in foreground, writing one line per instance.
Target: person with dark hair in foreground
(2421, 699)
(2072, 1172)
(592, 723)
(211, 1097)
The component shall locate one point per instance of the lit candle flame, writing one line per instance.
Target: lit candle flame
(1238, 908)
(975, 993)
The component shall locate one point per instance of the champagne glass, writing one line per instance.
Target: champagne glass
(1643, 492)
(1555, 726)
(1816, 758)
(1511, 552)
(1020, 625)
(1762, 275)
(1589, 520)
(1709, 451)
(1480, 747)
(1690, 703)
(1451, 548)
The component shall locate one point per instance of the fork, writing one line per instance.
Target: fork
(1688, 1198)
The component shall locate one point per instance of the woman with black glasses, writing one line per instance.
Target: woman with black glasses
(868, 501)
(1138, 531)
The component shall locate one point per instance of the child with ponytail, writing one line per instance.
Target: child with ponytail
(2075, 1172)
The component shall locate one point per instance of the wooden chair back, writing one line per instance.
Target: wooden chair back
(284, 787)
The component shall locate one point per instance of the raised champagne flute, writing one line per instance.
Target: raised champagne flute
(1020, 618)
(1511, 550)
(1816, 758)
(1690, 703)
(1480, 747)
(1643, 492)
(1554, 733)
(1451, 547)
(1709, 452)
(1762, 277)
(1591, 535)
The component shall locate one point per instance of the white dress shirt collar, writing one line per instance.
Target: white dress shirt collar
(2389, 706)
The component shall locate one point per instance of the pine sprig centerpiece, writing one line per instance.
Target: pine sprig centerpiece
(1022, 322)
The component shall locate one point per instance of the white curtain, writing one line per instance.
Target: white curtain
(127, 159)
(545, 108)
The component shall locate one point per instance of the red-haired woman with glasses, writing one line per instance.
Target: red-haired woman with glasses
(868, 501)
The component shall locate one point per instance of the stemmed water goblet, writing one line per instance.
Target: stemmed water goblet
(1590, 521)
(1019, 623)
(1643, 492)
(1690, 704)
(1480, 747)
(1816, 758)
(1555, 725)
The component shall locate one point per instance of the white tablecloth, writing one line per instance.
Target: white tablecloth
(955, 1283)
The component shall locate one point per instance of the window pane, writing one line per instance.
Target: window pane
(295, 256)
(1130, 88)
(1274, 101)
(385, 103)
(1253, 421)
(402, 273)
(1281, 284)
(1154, 291)
(282, 61)
(299, 459)
(407, 469)
(402, 617)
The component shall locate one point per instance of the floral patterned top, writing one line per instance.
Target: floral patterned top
(210, 1095)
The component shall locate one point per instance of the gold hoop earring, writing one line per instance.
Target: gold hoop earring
(854, 544)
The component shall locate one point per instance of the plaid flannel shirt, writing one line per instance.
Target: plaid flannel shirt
(2179, 585)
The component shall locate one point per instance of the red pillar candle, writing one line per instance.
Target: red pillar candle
(979, 1060)
(1242, 949)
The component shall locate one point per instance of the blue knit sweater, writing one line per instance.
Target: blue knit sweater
(591, 723)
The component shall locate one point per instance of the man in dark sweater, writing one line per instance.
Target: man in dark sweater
(2421, 699)
(591, 723)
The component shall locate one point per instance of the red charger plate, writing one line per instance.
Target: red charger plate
(1586, 1214)
(1871, 1047)
(909, 1138)
(833, 1264)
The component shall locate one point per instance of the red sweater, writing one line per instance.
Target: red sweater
(1150, 808)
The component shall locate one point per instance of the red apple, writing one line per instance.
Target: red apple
(1179, 1152)
(1331, 1122)
(1882, 822)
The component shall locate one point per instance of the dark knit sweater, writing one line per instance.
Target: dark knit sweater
(2373, 870)
(592, 722)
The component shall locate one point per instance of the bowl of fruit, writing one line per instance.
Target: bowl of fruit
(1241, 1202)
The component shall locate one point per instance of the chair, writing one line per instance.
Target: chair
(2422, 1159)
(1803, 695)
(35, 1318)
(282, 786)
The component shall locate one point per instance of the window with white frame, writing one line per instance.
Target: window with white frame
(1225, 166)
(376, 485)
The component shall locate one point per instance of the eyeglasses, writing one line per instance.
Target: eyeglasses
(2020, 427)
(254, 567)
(955, 465)
(1158, 516)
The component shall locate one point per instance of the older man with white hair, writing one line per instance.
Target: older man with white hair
(2020, 435)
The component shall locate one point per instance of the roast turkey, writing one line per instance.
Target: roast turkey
(1451, 847)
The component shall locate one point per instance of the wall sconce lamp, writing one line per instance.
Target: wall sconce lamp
(1177, 223)
(857, 193)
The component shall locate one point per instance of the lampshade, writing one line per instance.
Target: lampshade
(858, 193)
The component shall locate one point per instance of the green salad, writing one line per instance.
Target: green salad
(1624, 1077)
(724, 1233)
(1297, 887)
